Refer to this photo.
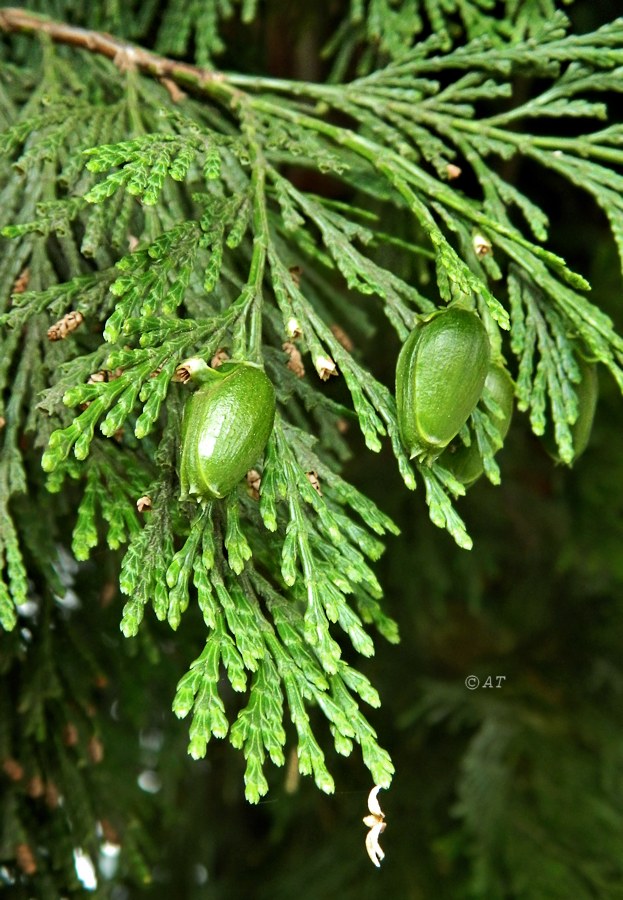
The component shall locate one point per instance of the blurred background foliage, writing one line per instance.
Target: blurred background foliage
(503, 792)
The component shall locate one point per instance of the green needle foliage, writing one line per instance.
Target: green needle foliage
(156, 208)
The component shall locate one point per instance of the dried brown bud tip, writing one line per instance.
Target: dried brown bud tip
(295, 363)
(453, 171)
(313, 479)
(343, 426)
(219, 358)
(59, 330)
(109, 832)
(108, 593)
(143, 503)
(343, 338)
(52, 796)
(35, 787)
(95, 750)
(25, 859)
(13, 769)
(254, 482)
(296, 272)
(21, 282)
(70, 735)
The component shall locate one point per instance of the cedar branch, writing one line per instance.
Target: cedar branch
(124, 54)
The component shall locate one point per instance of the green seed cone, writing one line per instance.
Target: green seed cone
(440, 375)
(227, 423)
(465, 463)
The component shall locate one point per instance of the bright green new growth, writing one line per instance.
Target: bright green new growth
(172, 223)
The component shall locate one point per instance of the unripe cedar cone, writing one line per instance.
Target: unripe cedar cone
(440, 375)
(226, 425)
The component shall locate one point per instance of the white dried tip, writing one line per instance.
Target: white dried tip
(325, 367)
(376, 823)
(481, 244)
(188, 368)
(293, 328)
